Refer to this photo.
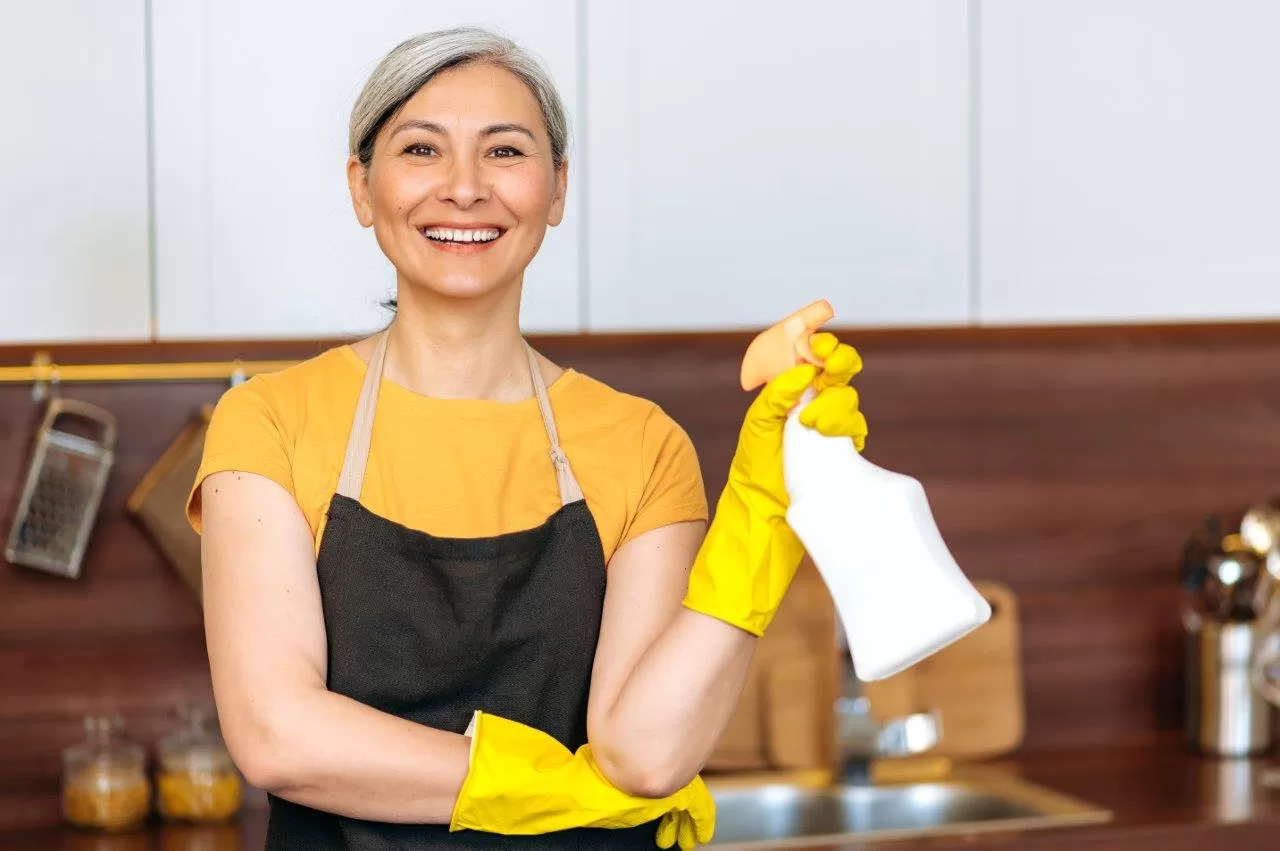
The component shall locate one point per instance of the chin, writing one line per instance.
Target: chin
(460, 287)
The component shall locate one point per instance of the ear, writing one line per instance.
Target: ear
(358, 183)
(560, 191)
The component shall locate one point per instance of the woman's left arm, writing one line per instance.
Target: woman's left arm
(683, 611)
(666, 679)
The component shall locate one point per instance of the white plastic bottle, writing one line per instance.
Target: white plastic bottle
(898, 592)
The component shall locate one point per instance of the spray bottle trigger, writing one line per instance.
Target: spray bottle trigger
(804, 354)
(784, 345)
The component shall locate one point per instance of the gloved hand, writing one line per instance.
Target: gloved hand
(523, 781)
(750, 555)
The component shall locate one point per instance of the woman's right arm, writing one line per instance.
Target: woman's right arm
(265, 632)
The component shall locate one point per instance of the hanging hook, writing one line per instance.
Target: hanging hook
(42, 365)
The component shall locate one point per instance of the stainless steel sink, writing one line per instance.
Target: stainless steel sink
(792, 815)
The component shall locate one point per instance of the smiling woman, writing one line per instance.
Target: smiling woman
(456, 595)
(468, 155)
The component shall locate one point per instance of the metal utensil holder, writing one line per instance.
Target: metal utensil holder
(63, 490)
(1226, 716)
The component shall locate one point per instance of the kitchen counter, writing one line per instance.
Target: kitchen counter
(1160, 798)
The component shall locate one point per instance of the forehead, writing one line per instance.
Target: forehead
(479, 93)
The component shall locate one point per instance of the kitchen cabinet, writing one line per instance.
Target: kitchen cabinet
(741, 163)
(1128, 168)
(74, 244)
(255, 235)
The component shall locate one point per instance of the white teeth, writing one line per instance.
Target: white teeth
(460, 235)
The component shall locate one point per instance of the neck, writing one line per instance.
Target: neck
(459, 348)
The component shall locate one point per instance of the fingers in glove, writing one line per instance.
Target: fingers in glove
(667, 830)
(841, 361)
(834, 412)
(688, 836)
(704, 829)
(783, 393)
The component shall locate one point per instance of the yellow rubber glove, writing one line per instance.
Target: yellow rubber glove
(522, 781)
(750, 555)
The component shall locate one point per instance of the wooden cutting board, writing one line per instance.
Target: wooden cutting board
(975, 684)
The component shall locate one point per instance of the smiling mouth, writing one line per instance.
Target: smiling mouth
(461, 236)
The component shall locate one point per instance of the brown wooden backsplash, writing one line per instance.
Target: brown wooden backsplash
(1069, 464)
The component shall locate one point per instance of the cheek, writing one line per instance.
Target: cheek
(401, 192)
(526, 193)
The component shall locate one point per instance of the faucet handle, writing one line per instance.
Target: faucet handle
(909, 735)
(855, 728)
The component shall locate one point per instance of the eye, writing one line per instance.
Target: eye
(420, 149)
(506, 152)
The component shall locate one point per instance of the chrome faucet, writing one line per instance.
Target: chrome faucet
(861, 737)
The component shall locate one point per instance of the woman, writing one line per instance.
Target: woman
(412, 640)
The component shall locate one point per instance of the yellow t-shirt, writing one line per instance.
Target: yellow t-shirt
(457, 467)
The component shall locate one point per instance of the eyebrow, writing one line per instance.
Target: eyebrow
(491, 130)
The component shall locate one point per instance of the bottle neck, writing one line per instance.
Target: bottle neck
(810, 458)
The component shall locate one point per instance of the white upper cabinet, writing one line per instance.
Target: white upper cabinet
(255, 235)
(743, 159)
(74, 263)
(1129, 168)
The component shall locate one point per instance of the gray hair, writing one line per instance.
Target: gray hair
(412, 64)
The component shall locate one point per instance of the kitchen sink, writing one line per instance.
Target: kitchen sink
(792, 815)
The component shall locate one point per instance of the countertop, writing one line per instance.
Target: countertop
(1161, 798)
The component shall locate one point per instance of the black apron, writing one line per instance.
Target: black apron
(432, 629)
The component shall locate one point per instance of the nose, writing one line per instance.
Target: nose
(464, 183)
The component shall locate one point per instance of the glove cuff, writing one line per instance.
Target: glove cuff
(743, 568)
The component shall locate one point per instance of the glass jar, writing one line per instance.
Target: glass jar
(196, 780)
(104, 778)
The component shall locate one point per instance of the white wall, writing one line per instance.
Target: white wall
(1129, 161)
(74, 244)
(919, 162)
(741, 165)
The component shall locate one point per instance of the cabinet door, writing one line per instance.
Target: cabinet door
(255, 232)
(744, 159)
(73, 172)
(1128, 168)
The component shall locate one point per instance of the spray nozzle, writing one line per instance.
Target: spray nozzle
(784, 345)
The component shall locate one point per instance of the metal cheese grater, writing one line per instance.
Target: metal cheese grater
(63, 491)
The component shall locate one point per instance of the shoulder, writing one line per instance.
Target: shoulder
(646, 456)
(625, 415)
(284, 395)
(258, 425)
(658, 454)
(268, 414)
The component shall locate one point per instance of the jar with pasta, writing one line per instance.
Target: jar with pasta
(104, 778)
(196, 780)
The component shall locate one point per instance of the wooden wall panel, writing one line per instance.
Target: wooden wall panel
(1069, 464)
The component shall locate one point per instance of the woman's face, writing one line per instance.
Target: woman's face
(461, 186)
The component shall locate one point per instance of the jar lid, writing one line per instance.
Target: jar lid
(197, 746)
(196, 758)
(104, 742)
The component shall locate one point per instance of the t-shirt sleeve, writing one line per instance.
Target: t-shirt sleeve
(246, 433)
(672, 489)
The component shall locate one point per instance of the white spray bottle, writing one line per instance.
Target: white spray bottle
(898, 591)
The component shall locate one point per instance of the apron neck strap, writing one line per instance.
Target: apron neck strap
(351, 480)
(569, 490)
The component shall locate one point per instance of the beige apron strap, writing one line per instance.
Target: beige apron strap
(351, 480)
(569, 490)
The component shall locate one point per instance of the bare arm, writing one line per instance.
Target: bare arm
(666, 679)
(266, 641)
